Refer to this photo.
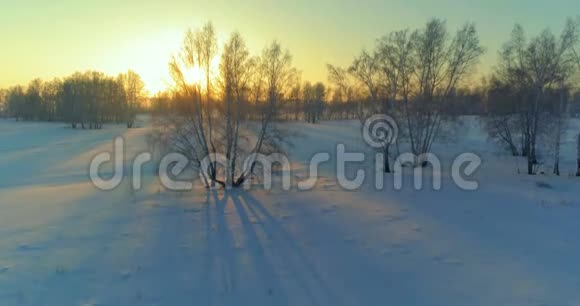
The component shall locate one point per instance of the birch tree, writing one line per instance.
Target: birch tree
(135, 90)
(205, 46)
(235, 69)
(533, 67)
(251, 89)
(365, 69)
(441, 64)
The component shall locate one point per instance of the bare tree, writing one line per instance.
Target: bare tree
(249, 85)
(395, 66)
(205, 46)
(135, 90)
(440, 65)
(345, 92)
(503, 117)
(578, 156)
(3, 98)
(307, 100)
(576, 58)
(235, 68)
(273, 79)
(295, 98)
(533, 68)
(560, 114)
(275, 65)
(313, 97)
(33, 100)
(188, 132)
(423, 69)
(365, 69)
(50, 95)
(341, 79)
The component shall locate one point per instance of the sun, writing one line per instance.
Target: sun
(143, 54)
(195, 75)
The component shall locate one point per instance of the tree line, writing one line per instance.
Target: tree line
(83, 99)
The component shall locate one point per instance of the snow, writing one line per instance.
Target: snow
(63, 242)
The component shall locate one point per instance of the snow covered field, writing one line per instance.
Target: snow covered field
(513, 242)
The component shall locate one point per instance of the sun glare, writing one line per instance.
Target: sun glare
(195, 75)
(140, 55)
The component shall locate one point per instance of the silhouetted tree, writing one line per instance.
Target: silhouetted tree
(249, 86)
(365, 68)
(134, 88)
(87, 99)
(3, 97)
(533, 68)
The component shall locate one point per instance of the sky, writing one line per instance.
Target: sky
(46, 39)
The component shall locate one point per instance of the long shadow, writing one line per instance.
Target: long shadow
(207, 275)
(291, 252)
(226, 247)
(219, 249)
(259, 258)
(222, 266)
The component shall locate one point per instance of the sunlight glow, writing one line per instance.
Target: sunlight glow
(195, 75)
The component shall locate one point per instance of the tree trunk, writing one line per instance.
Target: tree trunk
(387, 167)
(529, 158)
(530, 166)
(557, 148)
(525, 146)
(578, 157)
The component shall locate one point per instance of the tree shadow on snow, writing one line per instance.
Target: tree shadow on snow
(249, 233)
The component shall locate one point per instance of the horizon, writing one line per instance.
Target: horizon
(133, 36)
